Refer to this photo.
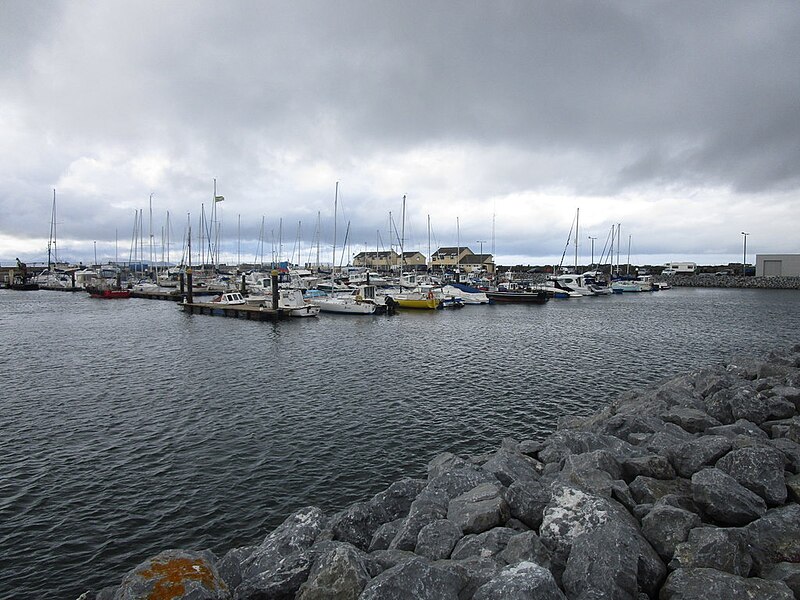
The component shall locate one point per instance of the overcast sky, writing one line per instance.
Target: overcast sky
(497, 120)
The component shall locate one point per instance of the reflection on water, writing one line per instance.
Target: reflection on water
(129, 427)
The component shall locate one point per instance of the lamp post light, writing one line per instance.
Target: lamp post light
(744, 252)
(593, 239)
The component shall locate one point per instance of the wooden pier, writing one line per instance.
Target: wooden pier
(235, 311)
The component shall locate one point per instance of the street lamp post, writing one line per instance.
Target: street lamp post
(593, 239)
(744, 252)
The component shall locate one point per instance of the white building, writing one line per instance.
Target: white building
(777, 265)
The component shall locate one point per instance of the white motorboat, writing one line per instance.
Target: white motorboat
(625, 285)
(288, 299)
(346, 304)
(468, 294)
(229, 298)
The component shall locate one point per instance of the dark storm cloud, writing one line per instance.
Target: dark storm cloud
(468, 103)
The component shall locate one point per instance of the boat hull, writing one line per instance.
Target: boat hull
(341, 307)
(519, 297)
(423, 304)
(110, 294)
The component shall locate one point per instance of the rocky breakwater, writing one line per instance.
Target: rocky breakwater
(686, 490)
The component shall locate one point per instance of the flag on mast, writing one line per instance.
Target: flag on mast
(219, 198)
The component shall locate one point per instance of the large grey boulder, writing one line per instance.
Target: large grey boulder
(278, 580)
(788, 573)
(724, 499)
(647, 490)
(509, 466)
(230, 566)
(720, 548)
(338, 574)
(453, 476)
(691, 456)
(667, 526)
(472, 572)
(750, 405)
(793, 486)
(484, 545)
(384, 535)
(525, 581)
(479, 509)
(180, 574)
(525, 547)
(790, 451)
(563, 443)
(775, 537)
(437, 539)
(653, 466)
(758, 468)
(740, 427)
(690, 419)
(603, 563)
(527, 500)
(296, 534)
(358, 523)
(790, 393)
(429, 506)
(417, 579)
(573, 513)
(708, 584)
(586, 478)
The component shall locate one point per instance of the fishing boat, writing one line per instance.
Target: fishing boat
(109, 294)
(519, 296)
(106, 291)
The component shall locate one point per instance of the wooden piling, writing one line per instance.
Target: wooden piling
(274, 274)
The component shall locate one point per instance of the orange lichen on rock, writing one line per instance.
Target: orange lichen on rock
(170, 577)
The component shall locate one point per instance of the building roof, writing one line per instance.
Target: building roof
(381, 254)
(452, 250)
(476, 259)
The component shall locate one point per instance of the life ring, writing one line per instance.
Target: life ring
(430, 295)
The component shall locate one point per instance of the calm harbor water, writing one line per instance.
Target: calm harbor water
(128, 427)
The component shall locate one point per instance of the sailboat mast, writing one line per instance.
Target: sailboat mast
(429, 243)
(402, 235)
(152, 261)
(318, 236)
(577, 214)
(335, 207)
(168, 237)
(619, 235)
(458, 251)
(51, 243)
(628, 268)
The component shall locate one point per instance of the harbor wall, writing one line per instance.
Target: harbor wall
(687, 489)
(733, 281)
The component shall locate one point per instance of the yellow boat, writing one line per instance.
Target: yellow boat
(417, 300)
